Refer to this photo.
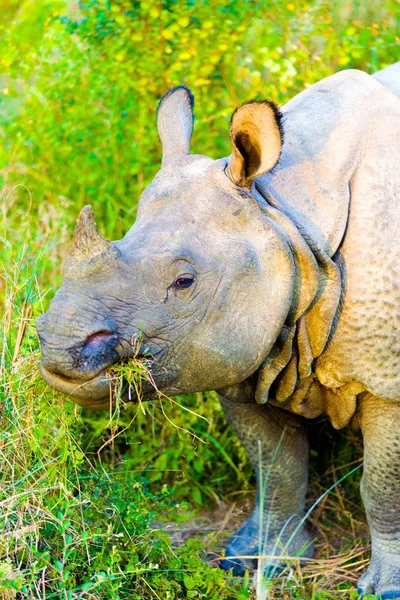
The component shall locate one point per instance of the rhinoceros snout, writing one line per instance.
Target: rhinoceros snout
(81, 356)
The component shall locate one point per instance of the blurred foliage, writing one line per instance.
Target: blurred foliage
(79, 86)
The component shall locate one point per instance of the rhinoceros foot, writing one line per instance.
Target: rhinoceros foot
(243, 550)
(381, 579)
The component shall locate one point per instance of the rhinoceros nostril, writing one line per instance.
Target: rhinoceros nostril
(98, 340)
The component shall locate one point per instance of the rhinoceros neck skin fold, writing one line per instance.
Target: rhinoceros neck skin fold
(287, 378)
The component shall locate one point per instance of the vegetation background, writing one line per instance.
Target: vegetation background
(87, 500)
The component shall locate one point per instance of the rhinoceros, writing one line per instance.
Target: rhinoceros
(271, 276)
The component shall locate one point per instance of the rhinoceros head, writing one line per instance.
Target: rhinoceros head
(201, 284)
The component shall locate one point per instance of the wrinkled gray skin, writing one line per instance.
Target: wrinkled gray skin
(274, 282)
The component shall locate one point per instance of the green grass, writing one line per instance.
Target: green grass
(138, 502)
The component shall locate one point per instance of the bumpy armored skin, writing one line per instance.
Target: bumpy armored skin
(271, 276)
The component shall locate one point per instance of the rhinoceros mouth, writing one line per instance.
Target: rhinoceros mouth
(99, 392)
(95, 393)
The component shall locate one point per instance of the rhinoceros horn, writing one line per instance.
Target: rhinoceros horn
(87, 242)
(90, 251)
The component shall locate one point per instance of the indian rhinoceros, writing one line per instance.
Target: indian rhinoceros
(271, 276)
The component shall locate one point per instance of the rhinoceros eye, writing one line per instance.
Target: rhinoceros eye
(183, 281)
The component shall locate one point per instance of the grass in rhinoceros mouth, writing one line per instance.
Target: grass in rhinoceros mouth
(130, 373)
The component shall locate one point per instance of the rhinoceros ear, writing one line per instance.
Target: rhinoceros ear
(257, 136)
(175, 122)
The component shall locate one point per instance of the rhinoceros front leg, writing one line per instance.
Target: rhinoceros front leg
(380, 491)
(278, 439)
